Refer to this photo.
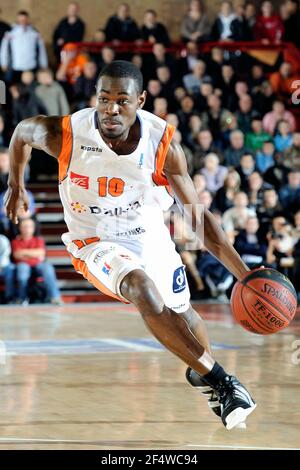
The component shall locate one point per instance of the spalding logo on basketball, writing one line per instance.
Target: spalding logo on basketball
(264, 301)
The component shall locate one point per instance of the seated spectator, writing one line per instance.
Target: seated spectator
(278, 113)
(195, 126)
(291, 24)
(241, 89)
(233, 154)
(291, 156)
(283, 137)
(195, 25)
(189, 56)
(3, 137)
(199, 183)
(187, 152)
(51, 94)
(154, 31)
(281, 242)
(85, 85)
(257, 136)
(121, 27)
(167, 85)
(268, 27)
(206, 89)
(22, 48)
(245, 113)
(225, 195)
(184, 114)
(215, 275)
(216, 118)
(153, 91)
(227, 84)
(69, 29)
(245, 169)
(107, 55)
(6, 269)
(29, 253)
(160, 107)
(265, 157)
(192, 81)
(214, 65)
(257, 78)
(283, 80)
(214, 172)
(277, 175)
(249, 244)
(271, 208)
(25, 104)
(289, 194)
(204, 146)
(72, 64)
(234, 219)
(256, 189)
(264, 98)
(226, 27)
(28, 79)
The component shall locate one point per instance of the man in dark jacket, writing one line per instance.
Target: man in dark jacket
(152, 30)
(69, 29)
(252, 248)
(121, 27)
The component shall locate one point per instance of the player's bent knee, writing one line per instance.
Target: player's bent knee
(142, 292)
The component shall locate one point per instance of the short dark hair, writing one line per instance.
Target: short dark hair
(23, 13)
(123, 69)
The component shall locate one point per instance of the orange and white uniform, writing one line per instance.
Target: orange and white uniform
(113, 207)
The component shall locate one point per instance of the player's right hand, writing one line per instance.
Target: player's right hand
(16, 201)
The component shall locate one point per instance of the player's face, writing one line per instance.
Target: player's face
(117, 103)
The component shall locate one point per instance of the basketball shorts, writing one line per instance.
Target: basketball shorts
(105, 264)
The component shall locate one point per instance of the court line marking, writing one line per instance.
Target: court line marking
(216, 446)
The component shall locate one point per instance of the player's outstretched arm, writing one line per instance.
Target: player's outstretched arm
(215, 239)
(39, 132)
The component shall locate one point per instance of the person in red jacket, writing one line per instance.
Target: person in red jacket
(29, 253)
(269, 27)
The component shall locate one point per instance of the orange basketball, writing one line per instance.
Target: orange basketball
(264, 301)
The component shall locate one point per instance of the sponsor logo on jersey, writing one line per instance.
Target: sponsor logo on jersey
(106, 268)
(91, 149)
(116, 211)
(80, 180)
(134, 231)
(102, 253)
(78, 207)
(179, 280)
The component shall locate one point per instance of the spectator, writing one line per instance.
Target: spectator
(206, 89)
(121, 27)
(204, 146)
(233, 154)
(167, 85)
(250, 246)
(3, 136)
(276, 175)
(195, 126)
(28, 79)
(278, 113)
(185, 113)
(291, 156)
(187, 152)
(225, 195)
(153, 91)
(291, 24)
(216, 118)
(72, 64)
(263, 98)
(22, 49)
(85, 85)
(256, 188)
(245, 113)
(227, 85)
(281, 242)
(271, 208)
(25, 104)
(51, 94)
(189, 56)
(245, 169)
(192, 81)
(214, 172)
(199, 183)
(268, 27)
(29, 253)
(226, 27)
(106, 57)
(69, 29)
(250, 15)
(234, 219)
(257, 77)
(6, 269)
(99, 35)
(153, 31)
(160, 107)
(241, 89)
(283, 80)
(265, 156)
(283, 137)
(289, 194)
(215, 275)
(215, 63)
(257, 136)
(195, 25)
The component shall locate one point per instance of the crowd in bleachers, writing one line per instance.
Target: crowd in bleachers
(234, 114)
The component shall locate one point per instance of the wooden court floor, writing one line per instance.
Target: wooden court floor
(90, 376)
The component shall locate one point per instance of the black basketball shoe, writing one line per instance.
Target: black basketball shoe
(236, 403)
(196, 381)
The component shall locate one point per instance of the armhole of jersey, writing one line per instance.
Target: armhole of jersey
(158, 175)
(64, 158)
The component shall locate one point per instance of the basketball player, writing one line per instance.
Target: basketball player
(115, 163)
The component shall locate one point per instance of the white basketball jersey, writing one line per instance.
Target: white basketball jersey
(111, 196)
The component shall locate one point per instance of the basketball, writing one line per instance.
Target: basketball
(264, 301)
